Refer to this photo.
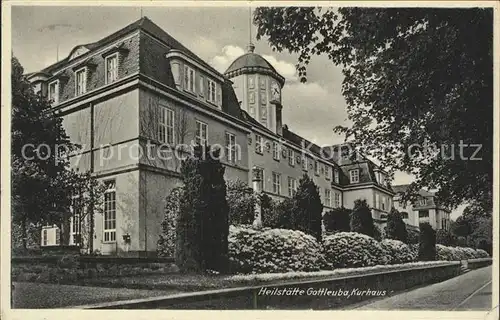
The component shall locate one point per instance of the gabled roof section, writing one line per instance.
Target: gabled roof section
(144, 24)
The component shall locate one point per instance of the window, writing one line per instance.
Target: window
(262, 83)
(276, 151)
(259, 145)
(304, 163)
(337, 200)
(336, 176)
(423, 201)
(423, 214)
(354, 175)
(263, 112)
(81, 81)
(328, 172)
(316, 168)
(110, 212)
(383, 203)
(166, 125)
(189, 78)
(212, 91)
(261, 182)
(201, 133)
(54, 91)
(377, 201)
(292, 186)
(75, 220)
(276, 183)
(251, 82)
(44, 237)
(252, 97)
(404, 215)
(291, 158)
(328, 197)
(230, 147)
(112, 68)
(263, 98)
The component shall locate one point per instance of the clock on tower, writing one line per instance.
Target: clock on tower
(275, 91)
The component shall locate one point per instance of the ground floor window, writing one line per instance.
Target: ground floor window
(110, 212)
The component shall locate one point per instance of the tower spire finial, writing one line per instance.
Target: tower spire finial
(251, 46)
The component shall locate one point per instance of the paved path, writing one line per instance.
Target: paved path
(42, 295)
(470, 291)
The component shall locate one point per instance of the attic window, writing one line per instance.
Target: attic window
(354, 175)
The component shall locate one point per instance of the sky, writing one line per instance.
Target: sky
(217, 34)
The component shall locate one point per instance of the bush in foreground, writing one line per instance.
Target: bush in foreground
(396, 228)
(398, 251)
(458, 253)
(427, 243)
(272, 250)
(350, 249)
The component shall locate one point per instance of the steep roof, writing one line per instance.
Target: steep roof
(146, 25)
(250, 59)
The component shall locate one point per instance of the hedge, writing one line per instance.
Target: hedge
(273, 250)
(398, 251)
(350, 249)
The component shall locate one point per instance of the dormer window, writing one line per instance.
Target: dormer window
(423, 201)
(354, 176)
(111, 66)
(81, 81)
(53, 92)
(212, 91)
(189, 77)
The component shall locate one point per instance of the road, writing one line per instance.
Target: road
(470, 291)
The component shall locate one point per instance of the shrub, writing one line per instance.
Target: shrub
(361, 218)
(446, 253)
(350, 249)
(307, 208)
(337, 220)
(202, 224)
(480, 253)
(166, 244)
(427, 242)
(267, 205)
(282, 213)
(396, 228)
(272, 250)
(445, 237)
(241, 200)
(413, 235)
(399, 251)
(459, 253)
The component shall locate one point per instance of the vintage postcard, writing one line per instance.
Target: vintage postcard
(250, 156)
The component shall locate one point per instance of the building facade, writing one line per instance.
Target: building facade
(425, 209)
(128, 96)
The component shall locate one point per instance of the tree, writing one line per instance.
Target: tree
(462, 227)
(396, 227)
(308, 209)
(420, 77)
(482, 234)
(445, 237)
(337, 220)
(43, 184)
(241, 200)
(269, 218)
(202, 226)
(166, 242)
(427, 243)
(361, 218)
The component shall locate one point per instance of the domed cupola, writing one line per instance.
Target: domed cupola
(252, 62)
(258, 86)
